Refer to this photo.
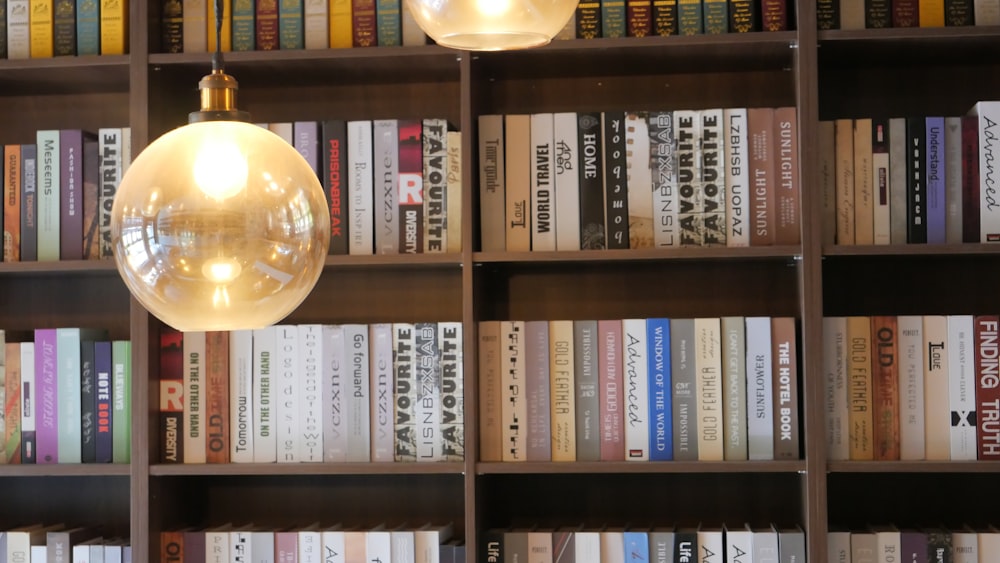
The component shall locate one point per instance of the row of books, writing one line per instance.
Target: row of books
(668, 544)
(618, 18)
(313, 393)
(889, 543)
(617, 179)
(57, 194)
(188, 26)
(47, 28)
(67, 398)
(316, 543)
(910, 180)
(403, 192)
(912, 387)
(878, 14)
(706, 389)
(40, 543)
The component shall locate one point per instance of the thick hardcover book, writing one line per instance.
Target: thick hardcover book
(536, 380)
(760, 397)
(635, 379)
(360, 184)
(357, 401)
(910, 359)
(114, 27)
(48, 195)
(265, 26)
(333, 159)
(844, 192)
(786, 185)
(334, 395)
(91, 199)
(435, 157)
(244, 34)
(29, 404)
(734, 389)
(864, 232)
(959, 12)
(937, 210)
(452, 391)
(610, 379)
(110, 147)
(315, 24)
(639, 180)
(664, 17)
(453, 192)
(881, 211)
(265, 444)
(774, 15)
(121, 414)
(289, 393)
(860, 434)
(291, 34)
(588, 437)
(489, 391)
(737, 177)
(380, 393)
(828, 14)
(937, 411)
(12, 203)
(952, 171)
(517, 138)
(11, 444)
(897, 181)
(514, 408)
(18, 34)
(194, 382)
(878, 14)
(785, 387)
(712, 179)
(689, 17)
(388, 18)
(542, 193)
(905, 13)
(716, 16)
(660, 385)
(46, 384)
(341, 34)
(71, 194)
(885, 383)
(363, 23)
(64, 28)
(103, 365)
(663, 165)
(708, 388)
(962, 387)
(385, 139)
(690, 208)
(684, 399)
(987, 117)
(561, 390)
(405, 392)
(40, 23)
(588, 20)
(615, 179)
(566, 179)
(640, 18)
(171, 395)
(491, 183)
(916, 174)
(411, 188)
(760, 122)
(195, 27)
(591, 166)
(216, 404)
(613, 16)
(241, 444)
(835, 384)
(987, 350)
(171, 27)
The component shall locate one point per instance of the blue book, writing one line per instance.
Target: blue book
(88, 28)
(389, 23)
(102, 367)
(244, 25)
(661, 444)
(291, 34)
(636, 546)
(936, 206)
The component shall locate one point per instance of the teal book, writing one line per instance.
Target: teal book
(121, 401)
(689, 18)
(389, 23)
(613, 18)
(244, 25)
(69, 383)
(716, 16)
(47, 179)
(291, 34)
(88, 28)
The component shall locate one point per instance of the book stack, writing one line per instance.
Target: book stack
(706, 389)
(657, 179)
(879, 14)
(57, 542)
(47, 28)
(642, 18)
(933, 543)
(313, 393)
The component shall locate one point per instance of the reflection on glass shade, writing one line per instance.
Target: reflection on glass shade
(491, 25)
(220, 225)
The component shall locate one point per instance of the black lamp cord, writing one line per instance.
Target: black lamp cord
(217, 63)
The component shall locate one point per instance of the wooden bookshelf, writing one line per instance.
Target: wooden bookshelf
(826, 75)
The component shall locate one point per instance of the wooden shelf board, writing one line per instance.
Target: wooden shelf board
(64, 75)
(913, 466)
(598, 256)
(911, 250)
(913, 46)
(96, 267)
(396, 260)
(598, 467)
(273, 469)
(66, 470)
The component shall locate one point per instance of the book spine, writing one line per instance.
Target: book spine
(640, 18)
(71, 194)
(290, 25)
(310, 417)
(358, 401)
(491, 183)
(588, 20)
(786, 186)
(244, 32)
(987, 373)
(388, 18)
(386, 160)
(878, 14)
(194, 382)
(962, 387)
(12, 203)
(916, 198)
(103, 364)
(708, 388)
(405, 390)
(40, 25)
(46, 382)
(48, 195)
(453, 192)
(973, 211)
(828, 14)
(774, 15)
(29, 204)
(360, 188)
(689, 18)
(734, 388)
(613, 16)
(716, 15)
(536, 379)
(566, 181)
(266, 29)
(489, 391)
(952, 171)
(18, 34)
(64, 28)
(885, 380)
(861, 435)
(114, 27)
(241, 400)
(380, 354)
(844, 156)
(334, 164)
(171, 395)
(3, 31)
(91, 199)
(514, 410)
(340, 24)
(216, 405)
(411, 188)
(864, 229)
(713, 178)
(663, 162)
(760, 397)
(315, 22)
(363, 23)
(29, 405)
(683, 376)
(452, 391)
(635, 390)
(121, 358)
(835, 377)
(435, 180)
(785, 387)
(661, 447)
(334, 400)
(561, 390)
(588, 440)
(665, 17)
(934, 182)
(910, 347)
(881, 211)
(305, 138)
(543, 202)
(287, 426)
(897, 180)
(110, 163)
(262, 376)
(591, 166)
(690, 195)
(736, 173)
(517, 139)
(985, 12)
(12, 403)
(959, 12)
(610, 380)
(639, 180)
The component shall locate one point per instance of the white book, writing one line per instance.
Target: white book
(110, 146)
(194, 27)
(357, 388)
(315, 23)
(240, 544)
(311, 392)
(360, 222)
(81, 553)
(662, 150)
(989, 545)
(126, 153)
(953, 179)
(39, 554)
(385, 141)
(636, 383)
(708, 369)
(18, 37)
(711, 546)
(114, 553)
(898, 224)
(962, 387)
(97, 553)
(690, 196)
(835, 379)
(587, 544)
(403, 546)
(739, 545)
(910, 362)
(765, 545)
(838, 547)
(543, 201)
(265, 443)
(48, 195)
(434, 151)
(737, 177)
(452, 391)
(241, 399)
(216, 546)
(986, 12)
(965, 546)
(887, 542)
(378, 546)
(492, 202)
(613, 546)
(760, 425)
(404, 392)
(28, 401)
(513, 406)
(288, 382)
(427, 541)
(283, 129)
(882, 201)
(412, 33)
(428, 405)
(381, 376)
(334, 389)
(567, 180)
(639, 183)
(262, 546)
(310, 544)
(712, 154)
(334, 547)
(988, 114)
(194, 405)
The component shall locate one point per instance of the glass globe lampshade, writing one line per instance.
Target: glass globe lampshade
(491, 25)
(220, 225)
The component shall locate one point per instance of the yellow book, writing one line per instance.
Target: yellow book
(931, 13)
(40, 28)
(340, 24)
(937, 407)
(562, 391)
(227, 25)
(114, 27)
(861, 434)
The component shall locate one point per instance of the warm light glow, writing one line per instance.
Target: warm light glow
(202, 248)
(492, 25)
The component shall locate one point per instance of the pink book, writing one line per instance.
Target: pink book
(609, 350)
(46, 413)
(286, 547)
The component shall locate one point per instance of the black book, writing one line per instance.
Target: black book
(916, 180)
(333, 164)
(88, 403)
(592, 234)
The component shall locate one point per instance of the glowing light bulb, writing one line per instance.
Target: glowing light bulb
(493, 8)
(221, 270)
(220, 168)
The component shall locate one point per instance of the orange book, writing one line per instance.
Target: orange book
(40, 19)
(885, 380)
(12, 203)
(217, 397)
(341, 28)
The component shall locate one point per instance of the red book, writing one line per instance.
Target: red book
(987, 386)
(774, 15)
(760, 124)
(171, 395)
(786, 192)
(609, 377)
(639, 18)
(267, 25)
(885, 379)
(905, 13)
(364, 24)
(411, 187)
(970, 180)
(217, 397)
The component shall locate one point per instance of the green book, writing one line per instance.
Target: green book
(689, 19)
(121, 401)
(389, 21)
(88, 28)
(244, 28)
(716, 16)
(48, 194)
(613, 18)
(68, 378)
(291, 34)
